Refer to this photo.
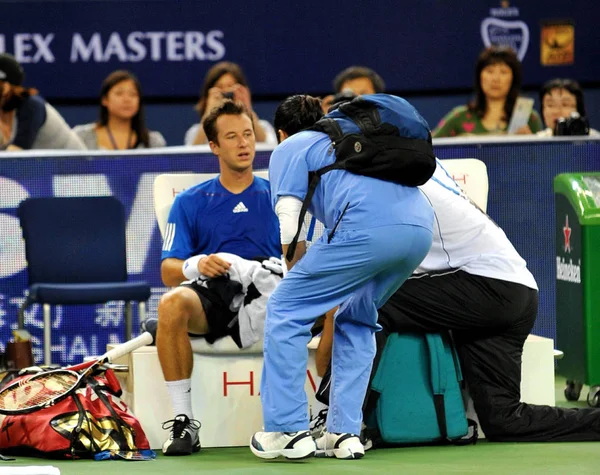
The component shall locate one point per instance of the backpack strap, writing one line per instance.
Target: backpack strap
(330, 127)
(439, 381)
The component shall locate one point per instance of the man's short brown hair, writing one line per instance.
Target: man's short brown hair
(227, 108)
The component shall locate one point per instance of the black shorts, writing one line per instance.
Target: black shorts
(222, 322)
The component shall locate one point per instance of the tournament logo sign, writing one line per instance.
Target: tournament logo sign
(497, 31)
(557, 43)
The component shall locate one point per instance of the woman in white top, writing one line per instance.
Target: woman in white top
(560, 98)
(226, 81)
(121, 125)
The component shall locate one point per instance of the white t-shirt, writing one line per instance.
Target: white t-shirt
(465, 238)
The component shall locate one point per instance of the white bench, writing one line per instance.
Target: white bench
(225, 391)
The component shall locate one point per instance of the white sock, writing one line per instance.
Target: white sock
(181, 396)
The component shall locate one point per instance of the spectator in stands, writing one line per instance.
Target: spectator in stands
(355, 80)
(497, 84)
(229, 214)
(26, 120)
(560, 98)
(226, 80)
(121, 125)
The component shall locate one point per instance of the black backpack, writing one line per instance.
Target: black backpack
(378, 150)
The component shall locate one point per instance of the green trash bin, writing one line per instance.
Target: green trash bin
(577, 198)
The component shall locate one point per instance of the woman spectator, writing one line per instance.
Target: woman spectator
(26, 120)
(121, 125)
(560, 98)
(497, 85)
(225, 80)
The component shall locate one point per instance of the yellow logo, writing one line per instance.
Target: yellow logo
(557, 43)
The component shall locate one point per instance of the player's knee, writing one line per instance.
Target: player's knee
(176, 307)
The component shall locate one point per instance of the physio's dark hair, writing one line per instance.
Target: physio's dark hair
(213, 75)
(568, 85)
(297, 113)
(227, 108)
(495, 55)
(355, 72)
(138, 122)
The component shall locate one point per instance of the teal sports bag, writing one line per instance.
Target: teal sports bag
(416, 393)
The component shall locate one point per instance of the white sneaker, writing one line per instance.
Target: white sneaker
(292, 445)
(341, 446)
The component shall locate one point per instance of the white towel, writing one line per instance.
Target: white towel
(264, 276)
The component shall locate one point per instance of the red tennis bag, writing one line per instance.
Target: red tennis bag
(91, 420)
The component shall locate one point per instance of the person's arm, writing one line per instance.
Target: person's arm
(259, 132)
(174, 271)
(323, 353)
(287, 210)
(213, 99)
(171, 271)
(31, 116)
(200, 138)
(300, 251)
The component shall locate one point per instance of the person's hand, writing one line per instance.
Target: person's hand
(213, 266)
(242, 94)
(5, 132)
(525, 130)
(213, 100)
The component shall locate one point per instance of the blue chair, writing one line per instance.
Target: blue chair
(76, 254)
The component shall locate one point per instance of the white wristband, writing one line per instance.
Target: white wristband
(190, 267)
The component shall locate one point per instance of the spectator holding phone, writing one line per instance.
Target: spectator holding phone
(498, 79)
(226, 81)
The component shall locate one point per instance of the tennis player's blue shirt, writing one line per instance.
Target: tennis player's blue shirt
(371, 202)
(207, 219)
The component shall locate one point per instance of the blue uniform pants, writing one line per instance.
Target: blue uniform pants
(358, 270)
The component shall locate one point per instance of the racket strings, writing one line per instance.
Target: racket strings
(39, 390)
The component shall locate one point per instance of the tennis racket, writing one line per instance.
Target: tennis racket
(44, 389)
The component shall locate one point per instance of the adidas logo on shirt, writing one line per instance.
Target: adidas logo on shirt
(240, 208)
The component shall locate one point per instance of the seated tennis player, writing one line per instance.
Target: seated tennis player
(229, 214)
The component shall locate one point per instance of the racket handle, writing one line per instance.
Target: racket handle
(127, 347)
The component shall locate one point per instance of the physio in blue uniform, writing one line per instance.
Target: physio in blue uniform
(382, 232)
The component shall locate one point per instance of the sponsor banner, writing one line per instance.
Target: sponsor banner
(68, 47)
(504, 28)
(557, 46)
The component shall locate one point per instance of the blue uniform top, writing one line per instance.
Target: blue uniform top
(372, 202)
(207, 219)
